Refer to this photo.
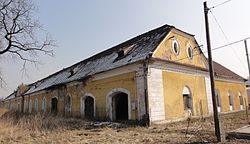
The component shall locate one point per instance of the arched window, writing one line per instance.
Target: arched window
(88, 106)
(36, 105)
(218, 99)
(18, 107)
(30, 106)
(44, 104)
(241, 101)
(187, 99)
(24, 106)
(54, 105)
(68, 104)
(230, 99)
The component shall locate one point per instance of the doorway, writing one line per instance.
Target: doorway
(120, 106)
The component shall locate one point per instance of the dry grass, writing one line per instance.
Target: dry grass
(48, 129)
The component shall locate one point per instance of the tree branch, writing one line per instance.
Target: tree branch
(21, 34)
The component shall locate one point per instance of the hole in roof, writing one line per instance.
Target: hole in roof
(73, 71)
(124, 52)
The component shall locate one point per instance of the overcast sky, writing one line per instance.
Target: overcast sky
(83, 28)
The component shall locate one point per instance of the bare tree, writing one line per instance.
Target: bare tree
(21, 35)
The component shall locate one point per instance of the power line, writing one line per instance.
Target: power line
(220, 47)
(220, 4)
(231, 43)
(225, 36)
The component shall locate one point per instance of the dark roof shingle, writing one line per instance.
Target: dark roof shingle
(222, 71)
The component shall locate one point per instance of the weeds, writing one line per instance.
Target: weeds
(40, 128)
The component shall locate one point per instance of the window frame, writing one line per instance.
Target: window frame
(175, 41)
(231, 100)
(36, 105)
(189, 47)
(241, 98)
(44, 104)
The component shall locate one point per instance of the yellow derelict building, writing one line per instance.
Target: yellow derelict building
(161, 75)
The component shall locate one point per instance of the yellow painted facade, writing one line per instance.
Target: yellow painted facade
(165, 50)
(235, 88)
(99, 89)
(173, 93)
(174, 83)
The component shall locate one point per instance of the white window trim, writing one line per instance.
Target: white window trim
(178, 44)
(230, 96)
(187, 47)
(241, 97)
(109, 102)
(218, 108)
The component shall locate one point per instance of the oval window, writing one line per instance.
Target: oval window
(176, 48)
(189, 52)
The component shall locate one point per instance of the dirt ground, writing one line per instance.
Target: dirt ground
(49, 130)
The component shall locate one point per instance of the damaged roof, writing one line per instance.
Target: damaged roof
(11, 96)
(128, 52)
(131, 51)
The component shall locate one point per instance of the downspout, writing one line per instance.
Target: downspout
(146, 118)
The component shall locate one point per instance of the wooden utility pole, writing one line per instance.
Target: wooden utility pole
(211, 72)
(245, 41)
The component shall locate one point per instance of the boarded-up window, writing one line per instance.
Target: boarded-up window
(241, 98)
(218, 98)
(187, 99)
(230, 98)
